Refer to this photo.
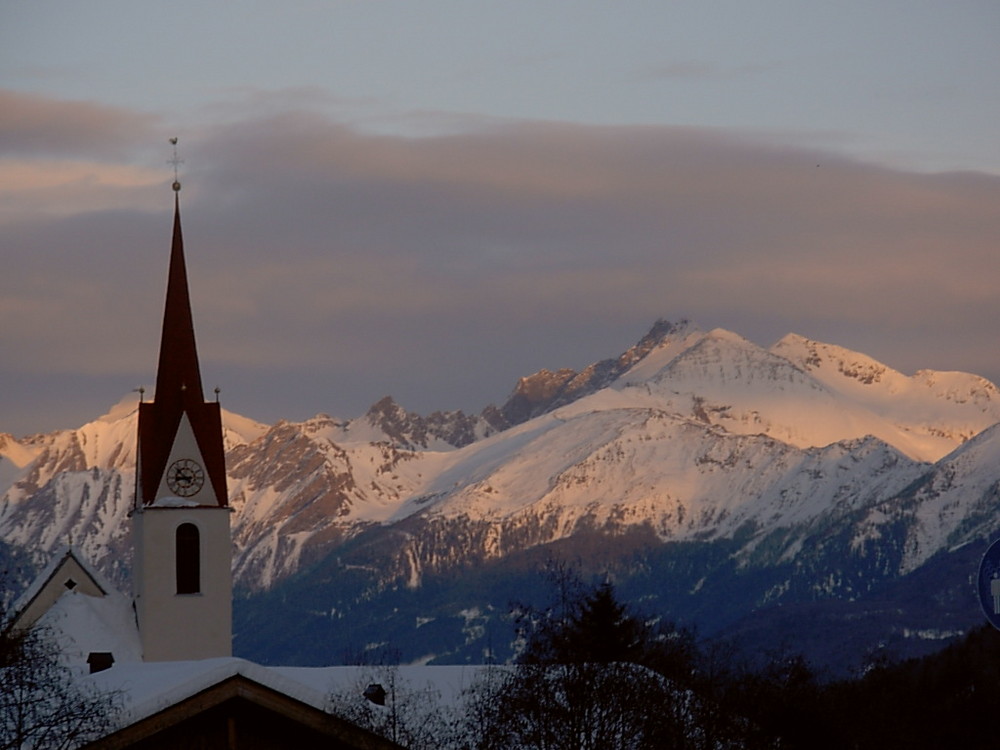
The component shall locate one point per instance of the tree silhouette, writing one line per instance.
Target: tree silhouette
(584, 678)
(43, 704)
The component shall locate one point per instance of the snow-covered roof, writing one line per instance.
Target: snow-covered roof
(80, 609)
(448, 681)
(150, 687)
(82, 624)
(62, 558)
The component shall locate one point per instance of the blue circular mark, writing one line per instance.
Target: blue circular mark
(989, 584)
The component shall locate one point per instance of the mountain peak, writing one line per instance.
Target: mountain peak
(437, 431)
(546, 390)
(938, 409)
(813, 355)
(124, 408)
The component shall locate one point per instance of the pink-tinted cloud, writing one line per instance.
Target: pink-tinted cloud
(330, 265)
(39, 126)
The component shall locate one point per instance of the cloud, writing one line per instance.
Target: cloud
(40, 126)
(49, 188)
(331, 265)
(64, 157)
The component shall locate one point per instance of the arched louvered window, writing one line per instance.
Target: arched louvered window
(188, 559)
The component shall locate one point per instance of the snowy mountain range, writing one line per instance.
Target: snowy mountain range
(713, 478)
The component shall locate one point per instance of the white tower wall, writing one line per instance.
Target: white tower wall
(173, 626)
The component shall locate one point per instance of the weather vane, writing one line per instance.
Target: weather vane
(176, 162)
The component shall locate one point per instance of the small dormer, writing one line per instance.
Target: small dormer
(67, 571)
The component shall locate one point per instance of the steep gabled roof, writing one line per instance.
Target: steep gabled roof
(178, 374)
(80, 609)
(178, 388)
(67, 570)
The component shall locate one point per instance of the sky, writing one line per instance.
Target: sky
(432, 199)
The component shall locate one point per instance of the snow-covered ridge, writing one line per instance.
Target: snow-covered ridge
(938, 410)
(690, 434)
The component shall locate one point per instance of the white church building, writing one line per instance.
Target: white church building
(181, 603)
(166, 649)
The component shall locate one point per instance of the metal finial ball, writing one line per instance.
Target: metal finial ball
(176, 186)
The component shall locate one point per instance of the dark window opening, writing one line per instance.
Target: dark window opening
(375, 693)
(70, 584)
(100, 660)
(188, 559)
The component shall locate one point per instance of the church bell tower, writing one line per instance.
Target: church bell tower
(180, 523)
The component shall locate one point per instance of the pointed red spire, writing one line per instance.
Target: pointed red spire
(178, 389)
(178, 372)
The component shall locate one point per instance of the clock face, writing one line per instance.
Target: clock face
(185, 477)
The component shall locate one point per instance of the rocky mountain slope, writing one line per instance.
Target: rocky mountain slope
(804, 472)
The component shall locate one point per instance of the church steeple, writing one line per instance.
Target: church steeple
(183, 551)
(179, 425)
